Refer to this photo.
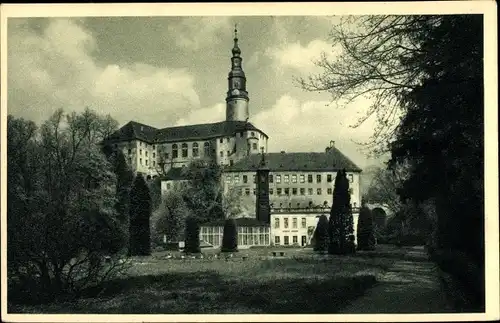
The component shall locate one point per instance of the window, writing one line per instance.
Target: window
(245, 179)
(295, 240)
(254, 146)
(294, 223)
(318, 178)
(287, 191)
(231, 163)
(287, 179)
(271, 178)
(329, 178)
(154, 155)
(285, 223)
(278, 179)
(254, 191)
(351, 178)
(271, 191)
(174, 151)
(247, 191)
(184, 150)
(319, 191)
(129, 151)
(154, 163)
(279, 191)
(294, 178)
(329, 191)
(303, 223)
(228, 179)
(309, 178)
(140, 152)
(206, 148)
(154, 147)
(252, 134)
(168, 186)
(146, 152)
(287, 240)
(221, 140)
(302, 191)
(166, 155)
(277, 240)
(146, 162)
(195, 149)
(302, 178)
(241, 134)
(310, 191)
(277, 223)
(254, 179)
(294, 191)
(140, 161)
(222, 154)
(237, 179)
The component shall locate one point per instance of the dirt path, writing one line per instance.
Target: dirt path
(411, 285)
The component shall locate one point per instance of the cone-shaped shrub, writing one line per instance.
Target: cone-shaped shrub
(320, 237)
(341, 226)
(192, 236)
(365, 230)
(230, 237)
(140, 213)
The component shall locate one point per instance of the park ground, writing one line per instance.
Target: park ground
(389, 280)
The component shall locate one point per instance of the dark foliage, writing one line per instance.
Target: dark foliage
(230, 237)
(320, 237)
(341, 229)
(192, 236)
(140, 213)
(365, 230)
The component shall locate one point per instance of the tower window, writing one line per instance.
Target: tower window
(254, 146)
(175, 151)
(184, 150)
(195, 149)
(252, 134)
(206, 148)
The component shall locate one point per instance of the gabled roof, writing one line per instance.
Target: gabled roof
(333, 160)
(134, 130)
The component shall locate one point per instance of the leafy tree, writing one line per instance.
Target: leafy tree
(204, 192)
(171, 218)
(192, 236)
(230, 236)
(365, 230)
(140, 213)
(124, 180)
(341, 221)
(320, 237)
(60, 206)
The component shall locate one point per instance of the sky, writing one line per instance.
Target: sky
(169, 71)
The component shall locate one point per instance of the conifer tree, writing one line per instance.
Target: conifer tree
(192, 236)
(320, 237)
(365, 230)
(140, 213)
(230, 237)
(341, 221)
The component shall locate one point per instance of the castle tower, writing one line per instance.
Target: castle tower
(237, 95)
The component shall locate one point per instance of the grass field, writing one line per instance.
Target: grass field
(301, 282)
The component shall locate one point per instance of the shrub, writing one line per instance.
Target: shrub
(341, 221)
(230, 237)
(192, 236)
(365, 230)
(321, 235)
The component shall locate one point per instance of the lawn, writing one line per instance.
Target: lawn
(300, 282)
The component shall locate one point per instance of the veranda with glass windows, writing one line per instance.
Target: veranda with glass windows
(250, 233)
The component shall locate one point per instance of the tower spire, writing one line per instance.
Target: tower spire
(237, 95)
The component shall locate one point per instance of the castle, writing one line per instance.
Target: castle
(299, 185)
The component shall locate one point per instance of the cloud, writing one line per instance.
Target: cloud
(212, 114)
(299, 57)
(55, 68)
(295, 125)
(193, 33)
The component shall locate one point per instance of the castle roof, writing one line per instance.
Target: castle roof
(332, 160)
(134, 130)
